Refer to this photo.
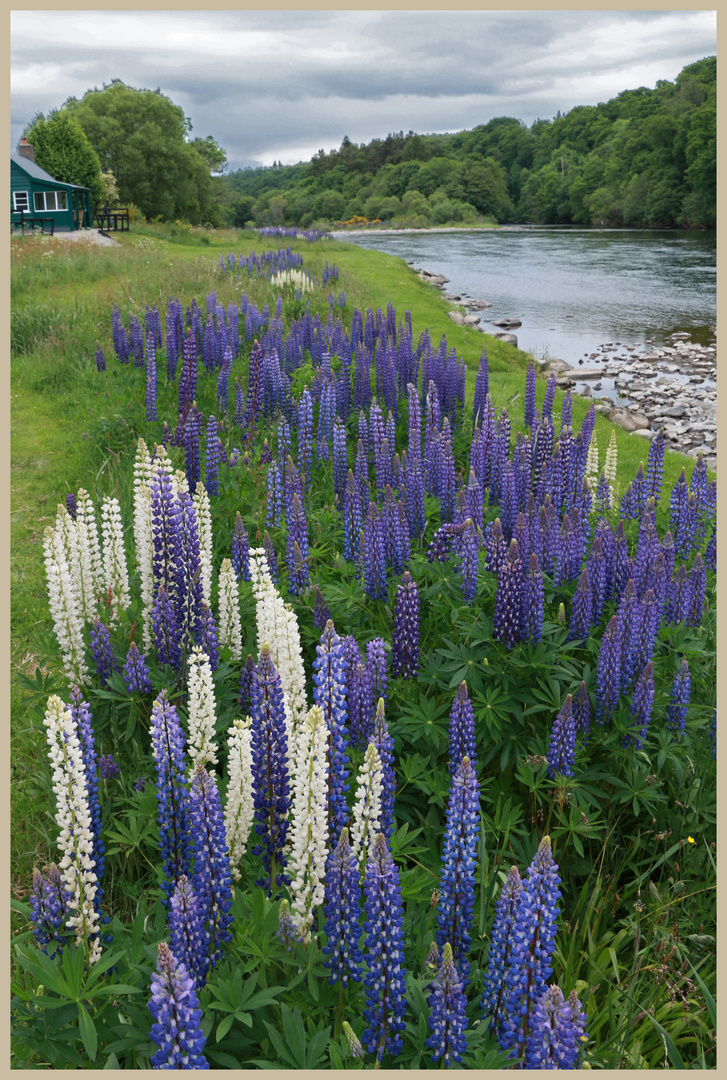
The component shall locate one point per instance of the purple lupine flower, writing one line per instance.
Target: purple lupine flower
(495, 547)
(647, 549)
(287, 931)
(530, 396)
(360, 713)
(168, 746)
(566, 412)
(108, 769)
(139, 784)
(459, 859)
(562, 743)
(496, 991)
(297, 548)
(385, 979)
(650, 619)
(582, 711)
(305, 438)
(136, 673)
(697, 590)
(521, 533)
(384, 743)
(212, 458)
(630, 620)
(582, 613)
(274, 511)
(177, 1016)
(71, 505)
(710, 554)
(269, 745)
(321, 611)
(462, 741)
(550, 386)
(102, 653)
(597, 574)
(342, 909)
(557, 1032)
(440, 546)
(679, 597)
(482, 389)
(266, 454)
(655, 466)
(642, 702)
(100, 359)
(374, 555)
(239, 413)
(223, 380)
(340, 458)
(469, 561)
(212, 881)
(187, 934)
(677, 506)
(271, 557)
(329, 692)
(240, 550)
(405, 634)
(533, 602)
(620, 560)
(206, 636)
(352, 519)
(151, 378)
(48, 908)
(609, 671)
(447, 1019)
(676, 712)
(191, 437)
(377, 661)
(533, 946)
(508, 616)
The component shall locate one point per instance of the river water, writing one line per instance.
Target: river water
(574, 289)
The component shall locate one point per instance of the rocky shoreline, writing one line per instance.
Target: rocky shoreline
(643, 388)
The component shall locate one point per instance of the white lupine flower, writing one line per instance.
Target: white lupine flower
(309, 832)
(367, 808)
(298, 278)
(611, 462)
(240, 799)
(143, 535)
(116, 573)
(73, 817)
(202, 713)
(592, 470)
(63, 607)
(88, 538)
(229, 630)
(179, 482)
(201, 503)
(79, 565)
(277, 624)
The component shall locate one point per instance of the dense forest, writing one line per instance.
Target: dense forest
(646, 157)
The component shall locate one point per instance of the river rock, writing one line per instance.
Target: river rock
(472, 320)
(556, 364)
(509, 339)
(590, 373)
(507, 323)
(457, 317)
(628, 419)
(479, 305)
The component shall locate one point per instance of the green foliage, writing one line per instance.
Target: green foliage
(62, 148)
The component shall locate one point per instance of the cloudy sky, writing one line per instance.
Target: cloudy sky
(281, 85)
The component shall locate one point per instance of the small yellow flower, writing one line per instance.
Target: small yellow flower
(691, 840)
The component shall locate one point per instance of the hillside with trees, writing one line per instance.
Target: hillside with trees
(646, 157)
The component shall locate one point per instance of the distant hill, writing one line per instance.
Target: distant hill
(646, 157)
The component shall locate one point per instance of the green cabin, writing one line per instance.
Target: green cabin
(42, 198)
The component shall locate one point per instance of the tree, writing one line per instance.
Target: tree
(141, 136)
(62, 149)
(210, 152)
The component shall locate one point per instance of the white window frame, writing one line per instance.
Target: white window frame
(58, 196)
(26, 196)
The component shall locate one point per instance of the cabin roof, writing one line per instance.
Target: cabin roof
(36, 173)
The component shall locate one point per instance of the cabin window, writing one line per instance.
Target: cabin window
(50, 200)
(21, 200)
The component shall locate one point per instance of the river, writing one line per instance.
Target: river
(574, 289)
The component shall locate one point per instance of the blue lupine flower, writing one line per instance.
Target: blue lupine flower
(168, 746)
(710, 554)
(352, 519)
(557, 1032)
(530, 396)
(212, 881)
(360, 711)
(679, 596)
(240, 550)
(340, 459)
(374, 554)
(533, 601)
(508, 615)
(642, 702)
(102, 653)
(549, 398)
(496, 991)
(630, 620)
(597, 574)
(609, 671)
(562, 743)
(269, 746)
(676, 712)
(342, 909)
(385, 979)
(566, 413)
(321, 611)
(274, 512)
(462, 741)
(441, 544)
(384, 743)
(165, 631)
(136, 673)
(297, 548)
(533, 946)
(187, 934)
(377, 661)
(177, 1016)
(650, 620)
(655, 466)
(469, 561)
(447, 1019)
(677, 508)
(100, 359)
(48, 908)
(287, 931)
(108, 769)
(459, 858)
(405, 634)
(329, 692)
(151, 378)
(482, 389)
(495, 547)
(212, 458)
(305, 437)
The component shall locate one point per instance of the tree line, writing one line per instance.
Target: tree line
(644, 158)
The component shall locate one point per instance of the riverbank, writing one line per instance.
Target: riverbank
(341, 234)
